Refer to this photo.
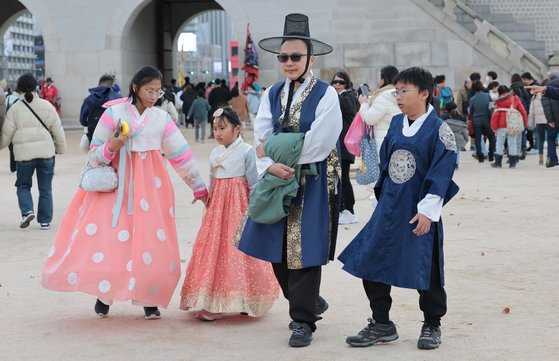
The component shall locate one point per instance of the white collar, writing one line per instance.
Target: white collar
(410, 130)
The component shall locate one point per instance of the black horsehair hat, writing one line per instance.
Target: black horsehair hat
(296, 28)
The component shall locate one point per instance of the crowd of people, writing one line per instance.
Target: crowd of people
(272, 209)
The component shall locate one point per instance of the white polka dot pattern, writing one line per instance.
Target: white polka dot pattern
(72, 278)
(131, 284)
(147, 258)
(52, 250)
(144, 205)
(104, 286)
(123, 235)
(91, 229)
(129, 266)
(98, 257)
(161, 235)
(157, 182)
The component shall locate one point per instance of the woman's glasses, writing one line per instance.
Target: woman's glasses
(341, 82)
(154, 93)
(283, 58)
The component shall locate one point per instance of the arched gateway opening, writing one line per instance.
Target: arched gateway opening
(21, 45)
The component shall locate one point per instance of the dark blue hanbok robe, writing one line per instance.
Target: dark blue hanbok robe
(386, 250)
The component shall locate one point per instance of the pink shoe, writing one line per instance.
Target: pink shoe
(204, 315)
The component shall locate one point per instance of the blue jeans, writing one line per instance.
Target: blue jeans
(502, 135)
(24, 181)
(551, 147)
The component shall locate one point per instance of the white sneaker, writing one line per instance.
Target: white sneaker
(346, 217)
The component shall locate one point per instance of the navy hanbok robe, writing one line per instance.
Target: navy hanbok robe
(386, 250)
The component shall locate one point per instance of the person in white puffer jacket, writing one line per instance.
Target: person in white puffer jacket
(33, 126)
(377, 111)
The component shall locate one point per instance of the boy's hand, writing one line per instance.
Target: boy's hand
(423, 224)
(281, 171)
(535, 89)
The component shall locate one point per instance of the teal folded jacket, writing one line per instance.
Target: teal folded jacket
(269, 203)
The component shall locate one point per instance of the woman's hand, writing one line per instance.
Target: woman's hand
(362, 99)
(423, 224)
(281, 171)
(117, 141)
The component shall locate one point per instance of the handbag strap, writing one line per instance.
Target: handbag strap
(35, 114)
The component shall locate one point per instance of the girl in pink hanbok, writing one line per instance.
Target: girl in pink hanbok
(219, 278)
(122, 245)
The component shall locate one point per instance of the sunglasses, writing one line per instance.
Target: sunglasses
(283, 58)
(341, 82)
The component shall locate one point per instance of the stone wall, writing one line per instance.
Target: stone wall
(543, 13)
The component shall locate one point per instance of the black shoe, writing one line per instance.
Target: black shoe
(301, 336)
(551, 164)
(373, 333)
(430, 337)
(26, 220)
(321, 307)
(101, 309)
(498, 161)
(152, 313)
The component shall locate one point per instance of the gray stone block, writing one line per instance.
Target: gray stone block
(439, 53)
(412, 54)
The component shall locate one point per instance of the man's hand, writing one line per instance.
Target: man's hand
(423, 224)
(260, 153)
(281, 171)
(535, 89)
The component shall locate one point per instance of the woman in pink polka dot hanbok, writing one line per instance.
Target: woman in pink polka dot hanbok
(122, 245)
(220, 278)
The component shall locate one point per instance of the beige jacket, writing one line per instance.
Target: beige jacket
(536, 115)
(31, 140)
(378, 112)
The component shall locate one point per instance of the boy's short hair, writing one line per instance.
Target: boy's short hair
(475, 76)
(492, 74)
(527, 75)
(440, 79)
(492, 85)
(419, 77)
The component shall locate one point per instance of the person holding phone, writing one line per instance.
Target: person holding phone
(349, 107)
(378, 110)
(123, 245)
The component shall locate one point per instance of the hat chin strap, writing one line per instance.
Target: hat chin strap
(300, 80)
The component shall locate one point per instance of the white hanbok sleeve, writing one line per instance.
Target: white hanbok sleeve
(325, 130)
(431, 206)
(263, 126)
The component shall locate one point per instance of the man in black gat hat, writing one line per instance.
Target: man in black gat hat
(300, 243)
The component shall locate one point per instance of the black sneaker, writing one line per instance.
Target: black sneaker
(321, 307)
(373, 333)
(430, 337)
(101, 309)
(26, 220)
(152, 313)
(301, 336)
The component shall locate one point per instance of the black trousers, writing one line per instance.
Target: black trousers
(301, 288)
(348, 198)
(432, 302)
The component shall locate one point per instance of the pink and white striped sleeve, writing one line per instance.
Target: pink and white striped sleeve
(178, 152)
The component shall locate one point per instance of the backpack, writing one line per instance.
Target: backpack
(445, 96)
(515, 123)
(93, 118)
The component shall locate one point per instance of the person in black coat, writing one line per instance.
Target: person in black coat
(349, 106)
(550, 103)
(517, 86)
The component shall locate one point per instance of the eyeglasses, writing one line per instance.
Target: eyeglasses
(402, 92)
(154, 93)
(283, 58)
(341, 82)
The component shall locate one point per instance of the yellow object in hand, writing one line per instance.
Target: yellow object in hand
(124, 128)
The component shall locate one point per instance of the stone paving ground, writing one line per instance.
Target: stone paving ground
(501, 248)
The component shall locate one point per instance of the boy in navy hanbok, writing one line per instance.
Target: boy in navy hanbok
(402, 244)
